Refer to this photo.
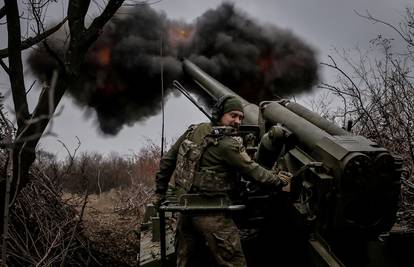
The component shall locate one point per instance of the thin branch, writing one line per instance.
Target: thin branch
(398, 31)
(355, 87)
(85, 201)
(34, 40)
(52, 246)
(31, 87)
(4, 66)
(71, 155)
(8, 177)
(142, 3)
(2, 12)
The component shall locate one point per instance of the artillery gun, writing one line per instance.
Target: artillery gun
(342, 204)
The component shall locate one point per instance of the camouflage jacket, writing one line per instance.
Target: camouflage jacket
(225, 158)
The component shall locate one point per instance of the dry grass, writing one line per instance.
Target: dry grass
(111, 222)
(46, 230)
(83, 227)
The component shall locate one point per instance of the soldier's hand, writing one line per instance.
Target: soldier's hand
(158, 200)
(287, 178)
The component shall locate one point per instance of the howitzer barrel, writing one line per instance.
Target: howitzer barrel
(306, 132)
(316, 119)
(216, 89)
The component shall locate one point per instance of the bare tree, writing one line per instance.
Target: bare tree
(377, 92)
(31, 125)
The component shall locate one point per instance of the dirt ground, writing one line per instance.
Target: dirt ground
(112, 233)
(113, 228)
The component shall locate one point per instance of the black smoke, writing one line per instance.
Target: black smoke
(121, 78)
(259, 62)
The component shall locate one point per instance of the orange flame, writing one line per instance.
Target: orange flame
(178, 35)
(104, 56)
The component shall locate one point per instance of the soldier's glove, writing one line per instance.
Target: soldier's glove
(158, 200)
(286, 178)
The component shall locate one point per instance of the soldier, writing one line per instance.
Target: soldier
(206, 160)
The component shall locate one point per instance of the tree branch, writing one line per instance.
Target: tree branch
(370, 17)
(15, 63)
(100, 21)
(76, 13)
(4, 66)
(2, 12)
(29, 42)
(82, 38)
(355, 90)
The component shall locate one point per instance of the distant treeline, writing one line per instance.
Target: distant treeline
(96, 173)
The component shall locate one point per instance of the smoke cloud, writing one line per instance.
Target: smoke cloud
(121, 80)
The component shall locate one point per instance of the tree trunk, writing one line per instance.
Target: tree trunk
(32, 126)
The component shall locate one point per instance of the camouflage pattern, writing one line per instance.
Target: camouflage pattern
(188, 157)
(194, 133)
(221, 237)
(208, 159)
(217, 131)
(212, 182)
(187, 176)
(223, 154)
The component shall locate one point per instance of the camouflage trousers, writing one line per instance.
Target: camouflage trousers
(216, 233)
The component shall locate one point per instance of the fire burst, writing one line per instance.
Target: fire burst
(179, 34)
(103, 56)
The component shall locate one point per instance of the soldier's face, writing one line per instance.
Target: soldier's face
(232, 118)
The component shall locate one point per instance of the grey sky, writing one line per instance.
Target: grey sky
(324, 24)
